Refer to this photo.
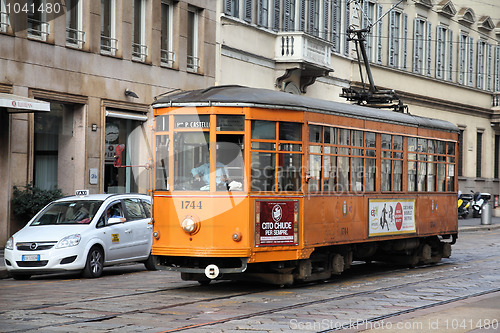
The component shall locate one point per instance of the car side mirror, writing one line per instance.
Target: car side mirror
(114, 220)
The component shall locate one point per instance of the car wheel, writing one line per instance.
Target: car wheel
(16, 276)
(151, 263)
(95, 263)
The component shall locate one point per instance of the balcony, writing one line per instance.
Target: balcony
(302, 55)
(299, 47)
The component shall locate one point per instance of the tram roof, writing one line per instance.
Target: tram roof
(241, 96)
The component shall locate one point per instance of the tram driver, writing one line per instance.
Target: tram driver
(202, 173)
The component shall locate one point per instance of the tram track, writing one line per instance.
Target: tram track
(268, 311)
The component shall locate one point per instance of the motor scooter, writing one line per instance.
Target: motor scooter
(464, 204)
(480, 199)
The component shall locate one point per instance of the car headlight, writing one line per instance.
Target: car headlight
(10, 244)
(68, 241)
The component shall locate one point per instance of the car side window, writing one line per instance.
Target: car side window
(147, 208)
(113, 210)
(134, 209)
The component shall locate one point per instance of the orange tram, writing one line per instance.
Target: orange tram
(264, 185)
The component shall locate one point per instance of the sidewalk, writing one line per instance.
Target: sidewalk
(464, 225)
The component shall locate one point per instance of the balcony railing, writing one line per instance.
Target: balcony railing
(75, 37)
(167, 58)
(109, 45)
(139, 51)
(495, 100)
(38, 29)
(193, 63)
(302, 47)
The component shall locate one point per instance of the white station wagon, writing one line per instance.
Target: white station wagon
(83, 233)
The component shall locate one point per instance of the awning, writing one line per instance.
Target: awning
(127, 115)
(18, 104)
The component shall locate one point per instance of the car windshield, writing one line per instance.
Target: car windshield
(68, 212)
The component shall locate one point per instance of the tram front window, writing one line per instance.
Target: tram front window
(191, 154)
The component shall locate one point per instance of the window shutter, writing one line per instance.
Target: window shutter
(405, 41)
(248, 11)
(310, 17)
(470, 62)
(488, 66)
(392, 18)
(450, 55)
(336, 16)
(440, 52)
(276, 15)
(286, 15)
(347, 23)
(379, 35)
(302, 16)
(428, 46)
(497, 68)
(461, 58)
(326, 16)
(480, 64)
(228, 7)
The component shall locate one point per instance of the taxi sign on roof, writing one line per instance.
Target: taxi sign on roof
(82, 193)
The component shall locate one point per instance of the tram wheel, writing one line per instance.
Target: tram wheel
(204, 282)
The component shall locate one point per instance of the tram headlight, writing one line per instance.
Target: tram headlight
(190, 225)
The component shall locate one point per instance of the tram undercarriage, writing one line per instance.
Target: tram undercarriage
(323, 263)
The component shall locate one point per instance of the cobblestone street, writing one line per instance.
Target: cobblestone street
(460, 294)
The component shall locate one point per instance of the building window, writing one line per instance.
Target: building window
(289, 15)
(232, 8)
(263, 13)
(167, 54)
(336, 25)
(479, 154)
(4, 16)
(404, 47)
(193, 60)
(139, 48)
(74, 34)
(38, 28)
(394, 36)
(109, 43)
(418, 45)
(450, 56)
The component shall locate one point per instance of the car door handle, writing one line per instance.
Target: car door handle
(128, 230)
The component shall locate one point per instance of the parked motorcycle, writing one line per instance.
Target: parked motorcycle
(480, 199)
(464, 204)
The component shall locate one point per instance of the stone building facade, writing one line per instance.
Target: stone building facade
(442, 57)
(99, 64)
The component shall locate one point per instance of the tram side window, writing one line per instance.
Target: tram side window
(344, 160)
(412, 164)
(276, 155)
(370, 161)
(315, 138)
(330, 179)
(289, 156)
(450, 166)
(162, 154)
(422, 165)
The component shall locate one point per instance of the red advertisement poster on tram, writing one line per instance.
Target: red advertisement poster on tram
(276, 222)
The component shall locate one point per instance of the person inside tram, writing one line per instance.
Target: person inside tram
(202, 174)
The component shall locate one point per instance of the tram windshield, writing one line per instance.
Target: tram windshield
(201, 163)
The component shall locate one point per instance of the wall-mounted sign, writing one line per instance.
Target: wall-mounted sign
(93, 176)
